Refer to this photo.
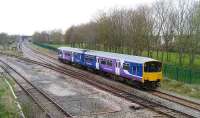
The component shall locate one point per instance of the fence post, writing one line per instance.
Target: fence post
(165, 71)
(177, 71)
(190, 74)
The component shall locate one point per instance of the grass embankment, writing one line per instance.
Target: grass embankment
(8, 108)
(187, 90)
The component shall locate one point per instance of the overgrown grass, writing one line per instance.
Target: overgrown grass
(8, 108)
(11, 53)
(181, 88)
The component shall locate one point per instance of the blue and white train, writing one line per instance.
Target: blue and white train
(144, 70)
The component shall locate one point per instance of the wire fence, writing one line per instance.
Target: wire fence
(185, 75)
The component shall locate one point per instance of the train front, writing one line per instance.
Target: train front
(152, 74)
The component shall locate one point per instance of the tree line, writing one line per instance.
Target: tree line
(164, 26)
(6, 40)
(53, 36)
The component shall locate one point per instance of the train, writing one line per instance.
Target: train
(145, 71)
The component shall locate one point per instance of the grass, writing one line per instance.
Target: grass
(174, 86)
(11, 53)
(174, 58)
(8, 108)
(40, 48)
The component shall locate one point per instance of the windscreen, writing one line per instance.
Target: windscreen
(153, 66)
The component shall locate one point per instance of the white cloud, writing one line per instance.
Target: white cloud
(27, 16)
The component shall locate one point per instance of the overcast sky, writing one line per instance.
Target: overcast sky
(26, 16)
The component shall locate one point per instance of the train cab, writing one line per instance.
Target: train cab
(152, 72)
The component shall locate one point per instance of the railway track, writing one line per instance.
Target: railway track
(175, 99)
(46, 103)
(113, 89)
(178, 100)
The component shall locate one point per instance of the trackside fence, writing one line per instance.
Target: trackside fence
(185, 75)
(46, 46)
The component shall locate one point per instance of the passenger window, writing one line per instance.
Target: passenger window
(75, 53)
(67, 54)
(109, 62)
(89, 58)
(126, 66)
(103, 62)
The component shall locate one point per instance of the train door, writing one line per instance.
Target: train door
(61, 54)
(117, 70)
(97, 63)
(72, 54)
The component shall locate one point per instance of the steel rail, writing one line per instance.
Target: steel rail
(60, 108)
(178, 100)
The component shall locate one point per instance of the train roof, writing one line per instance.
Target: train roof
(118, 56)
(78, 50)
(122, 57)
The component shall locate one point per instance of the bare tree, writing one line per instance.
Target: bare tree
(193, 28)
(160, 10)
(4, 40)
(182, 13)
(56, 36)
